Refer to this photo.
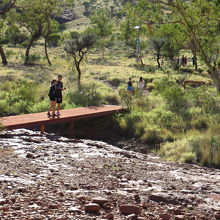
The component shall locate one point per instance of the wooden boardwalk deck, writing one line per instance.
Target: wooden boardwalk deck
(68, 115)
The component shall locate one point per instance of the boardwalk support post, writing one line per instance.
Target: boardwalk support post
(42, 129)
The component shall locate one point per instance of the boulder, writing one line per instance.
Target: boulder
(92, 207)
(129, 209)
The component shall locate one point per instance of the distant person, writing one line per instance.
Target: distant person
(130, 86)
(58, 93)
(140, 85)
(52, 97)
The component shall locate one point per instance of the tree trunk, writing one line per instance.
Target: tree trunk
(77, 64)
(215, 74)
(4, 59)
(103, 53)
(27, 53)
(195, 62)
(46, 52)
(158, 60)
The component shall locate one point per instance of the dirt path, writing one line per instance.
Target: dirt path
(52, 177)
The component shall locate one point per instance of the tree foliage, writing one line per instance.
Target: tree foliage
(199, 23)
(36, 17)
(102, 27)
(78, 47)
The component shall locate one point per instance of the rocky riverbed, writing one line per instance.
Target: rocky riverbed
(52, 177)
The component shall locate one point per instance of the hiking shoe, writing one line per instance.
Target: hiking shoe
(48, 114)
(54, 115)
(58, 114)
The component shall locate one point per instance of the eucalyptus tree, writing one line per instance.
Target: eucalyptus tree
(35, 16)
(50, 27)
(200, 21)
(78, 46)
(5, 7)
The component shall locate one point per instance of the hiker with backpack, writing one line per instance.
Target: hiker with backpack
(52, 96)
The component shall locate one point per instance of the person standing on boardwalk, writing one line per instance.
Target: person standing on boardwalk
(52, 97)
(58, 93)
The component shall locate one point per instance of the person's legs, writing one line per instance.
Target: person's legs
(53, 107)
(59, 101)
(50, 108)
(58, 107)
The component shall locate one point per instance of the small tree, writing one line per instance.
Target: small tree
(78, 47)
(102, 28)
(156, 44)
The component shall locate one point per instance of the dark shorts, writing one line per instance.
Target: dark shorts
(59, 99)
(52, 98)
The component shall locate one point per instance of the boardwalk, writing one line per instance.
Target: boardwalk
(68, 115)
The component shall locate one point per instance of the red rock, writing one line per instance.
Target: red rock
(165, 216)
(92, 207)
(82, 199)
(3, 201)
(100, 201)
(129, 209)
(53, 206)
(163, 197)
(110, 216)
(60, 193)
(13, 199)
(5, 208)
(217, 216)
(30, 155)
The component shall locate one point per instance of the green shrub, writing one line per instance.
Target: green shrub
(201, 148)
(39, 107)
(207, 149)
(88, 96)
(152, 135)
(17, 97)
(54, 39)
(112, 98)
(115, 81)
(176, 151)
(200, 123)
(188, 157)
